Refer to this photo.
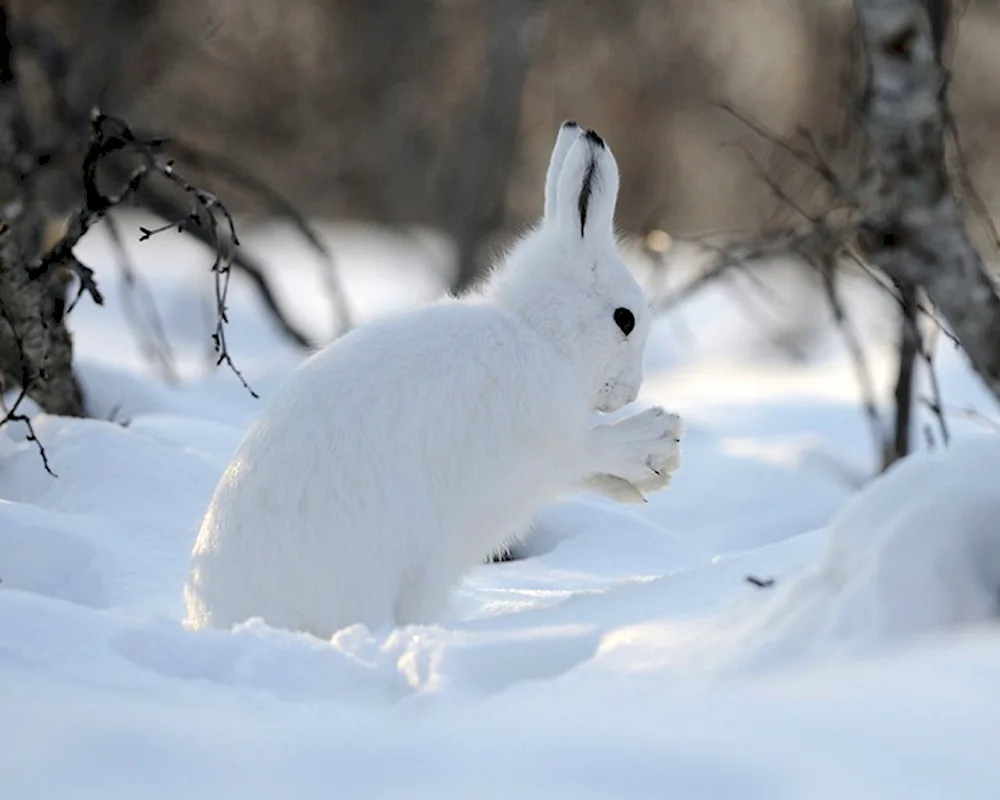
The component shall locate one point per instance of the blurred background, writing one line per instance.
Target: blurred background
(431, 121)
(441, 113)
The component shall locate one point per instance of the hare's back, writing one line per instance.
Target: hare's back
(418, 386)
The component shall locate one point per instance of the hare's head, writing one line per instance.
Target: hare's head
(568, 277)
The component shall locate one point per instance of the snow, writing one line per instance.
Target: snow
(625, 656)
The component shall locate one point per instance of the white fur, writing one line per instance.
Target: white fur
(398, 457)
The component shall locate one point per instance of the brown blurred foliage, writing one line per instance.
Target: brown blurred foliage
(442, 112)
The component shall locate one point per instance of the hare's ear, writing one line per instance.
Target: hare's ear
(587, 189)
(569, 132)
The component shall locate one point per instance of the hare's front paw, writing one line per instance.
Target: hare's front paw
(643, 449)
(664, 460)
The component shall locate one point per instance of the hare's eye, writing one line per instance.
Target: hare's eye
(625, 320)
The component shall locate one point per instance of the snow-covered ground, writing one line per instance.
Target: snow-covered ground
(627, 656)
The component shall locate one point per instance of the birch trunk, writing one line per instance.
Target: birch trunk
(916, 233)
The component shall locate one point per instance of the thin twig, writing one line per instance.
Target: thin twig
(966, 412)
(776, 189)
(927, 350)
(224, 167)
(809, 157)
(162, 205)
(148, 327)
(856, 351)
(12, 413)
(885, 284)
(970, 192)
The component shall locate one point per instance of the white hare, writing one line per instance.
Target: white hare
(398, 457)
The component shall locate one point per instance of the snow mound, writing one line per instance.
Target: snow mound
(916, 552)
(40, 553)
(624, 655)
(914, 555)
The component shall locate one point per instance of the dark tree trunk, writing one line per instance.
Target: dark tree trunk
(36, 349)
(492, 132)
(909, 349)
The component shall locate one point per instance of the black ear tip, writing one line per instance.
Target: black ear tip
(592, 137)
(570, 123)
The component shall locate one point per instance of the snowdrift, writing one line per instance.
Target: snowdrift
(625, 656)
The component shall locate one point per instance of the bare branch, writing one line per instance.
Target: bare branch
(910, 345)
(112, 136)
(808, 156)
(223, 167)
(165, 206)
(776, 189)
(856, 351)
(971, 193)
(205, 207)
(936, 401)
(967, 413)
(13, 413)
